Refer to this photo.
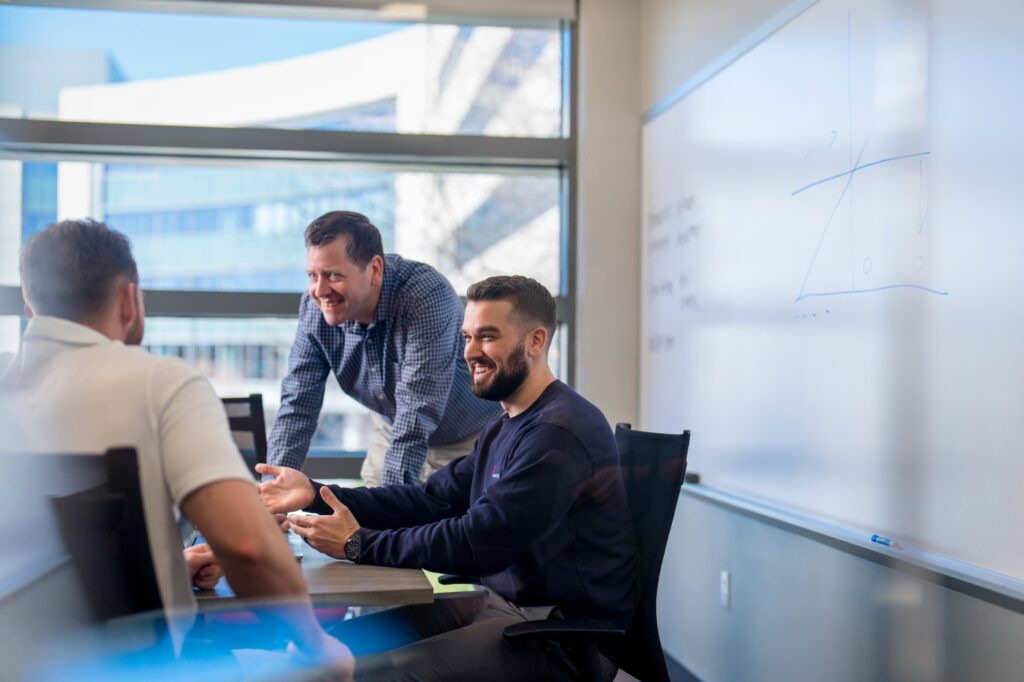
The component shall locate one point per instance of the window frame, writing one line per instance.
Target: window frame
(29, 140)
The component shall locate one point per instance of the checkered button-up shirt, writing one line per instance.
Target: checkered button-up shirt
(406, 365)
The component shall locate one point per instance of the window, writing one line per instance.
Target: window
(208, 70)
(236, 228)
(212, 148)
(250, 355)
(10, 330)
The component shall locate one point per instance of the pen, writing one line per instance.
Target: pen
(884, 541)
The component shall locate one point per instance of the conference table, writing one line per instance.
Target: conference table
(334, 581)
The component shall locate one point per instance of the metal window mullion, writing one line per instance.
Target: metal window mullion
(221, 304)
(570, 214)
(528, 14)
(161, 303)
(76, 139)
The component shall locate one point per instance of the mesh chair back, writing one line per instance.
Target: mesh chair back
(653, 466)
(249, 431)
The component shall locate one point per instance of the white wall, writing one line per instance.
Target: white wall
(804, 611)
(608, 262)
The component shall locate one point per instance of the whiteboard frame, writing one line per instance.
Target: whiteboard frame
(762, 33)
(990, 586)
(995, 588)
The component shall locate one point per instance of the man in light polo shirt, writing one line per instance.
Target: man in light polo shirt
(81, 384)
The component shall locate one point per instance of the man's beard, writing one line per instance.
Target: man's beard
(507, 379)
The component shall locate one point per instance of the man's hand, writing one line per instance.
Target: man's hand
(333, 659)
(327, 533)
(289, 490)
(282, 521)
(202, 566)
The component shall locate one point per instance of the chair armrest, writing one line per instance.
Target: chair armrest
(564, 629)
(447, 579)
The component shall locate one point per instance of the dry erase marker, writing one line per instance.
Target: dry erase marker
(885, 541)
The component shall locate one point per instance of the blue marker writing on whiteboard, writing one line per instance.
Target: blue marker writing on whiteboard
(885, 541)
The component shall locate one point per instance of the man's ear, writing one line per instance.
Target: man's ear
(27, 307)
(537, 340)
(127, 307)
(376, 266)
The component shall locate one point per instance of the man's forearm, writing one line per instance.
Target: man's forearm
(290, 437)
(270, 573)
(245, 539)
(421, 398)
(403, 464)
(302, 397)
(398, 506)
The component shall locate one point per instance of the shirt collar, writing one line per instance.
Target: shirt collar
(64, 331)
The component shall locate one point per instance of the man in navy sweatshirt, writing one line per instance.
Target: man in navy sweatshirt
(537, 510)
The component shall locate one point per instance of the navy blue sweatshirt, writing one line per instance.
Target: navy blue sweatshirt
(537, 510)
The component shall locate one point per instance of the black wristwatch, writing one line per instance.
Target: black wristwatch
(352, 547)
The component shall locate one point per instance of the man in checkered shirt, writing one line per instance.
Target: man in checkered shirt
(388, 329)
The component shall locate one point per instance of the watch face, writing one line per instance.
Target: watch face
(352, 548)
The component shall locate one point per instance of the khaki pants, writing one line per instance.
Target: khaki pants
(438, 456)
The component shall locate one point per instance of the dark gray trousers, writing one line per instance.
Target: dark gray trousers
(456, 638)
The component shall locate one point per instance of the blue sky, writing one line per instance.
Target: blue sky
(150, 45)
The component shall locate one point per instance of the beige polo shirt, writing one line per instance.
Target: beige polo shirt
(73, 390)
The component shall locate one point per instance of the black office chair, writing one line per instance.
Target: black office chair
(103, 528)
(249, 431)
(653, 466)
(248, 428)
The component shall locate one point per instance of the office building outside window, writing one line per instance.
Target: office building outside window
(212, 149)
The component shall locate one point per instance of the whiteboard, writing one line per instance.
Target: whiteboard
(833, 273)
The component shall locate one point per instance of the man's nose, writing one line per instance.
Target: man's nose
(320, 287)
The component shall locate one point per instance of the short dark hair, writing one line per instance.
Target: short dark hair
(530, 299)
(70, 269)
(363, 236)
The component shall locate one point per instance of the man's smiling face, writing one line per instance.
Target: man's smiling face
(495, 349)
(343, 290)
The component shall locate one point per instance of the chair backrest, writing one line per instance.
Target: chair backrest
(653, 467)
(248, 428)
(103, 528)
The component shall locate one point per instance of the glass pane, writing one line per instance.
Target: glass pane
(182, 69)
(239, 228)
(247, 355)
(250, 355)
(10, 333)
(558, 353)
(243, 356)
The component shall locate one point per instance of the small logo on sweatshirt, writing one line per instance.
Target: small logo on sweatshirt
(494, 471)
